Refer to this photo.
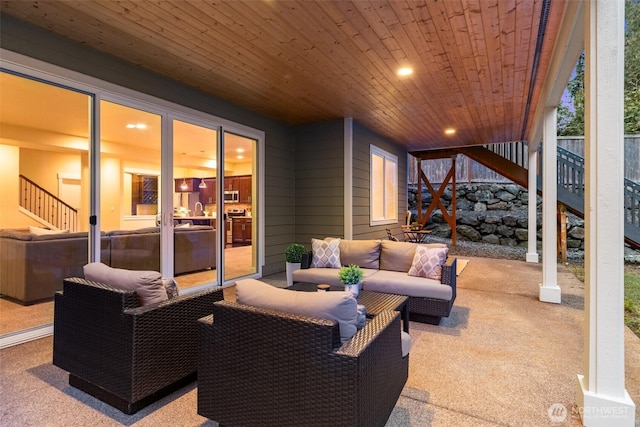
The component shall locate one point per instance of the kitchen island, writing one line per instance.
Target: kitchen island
(196, 220)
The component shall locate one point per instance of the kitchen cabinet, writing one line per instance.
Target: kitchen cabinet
(144, 195)
(241, 230)
(191, 183)
(208, 195)
(243, 185)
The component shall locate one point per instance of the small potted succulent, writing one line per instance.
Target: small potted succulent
(293, 257)
(351, 276)
(415, 226)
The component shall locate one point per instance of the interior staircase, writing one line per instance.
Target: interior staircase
(46, 208)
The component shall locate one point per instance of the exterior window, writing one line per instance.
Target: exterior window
(384, 187)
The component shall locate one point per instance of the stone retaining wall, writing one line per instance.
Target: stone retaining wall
(491, 213)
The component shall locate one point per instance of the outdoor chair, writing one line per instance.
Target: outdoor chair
(391, 236)
(264, 367)
(122, 353)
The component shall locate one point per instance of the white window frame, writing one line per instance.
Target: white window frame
(380, 187)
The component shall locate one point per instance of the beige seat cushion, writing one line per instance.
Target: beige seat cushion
(323, 275)
(147, 284)
(400, 283)
(338, 306)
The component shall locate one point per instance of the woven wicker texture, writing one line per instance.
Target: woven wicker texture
(260, 367)
(102, 337)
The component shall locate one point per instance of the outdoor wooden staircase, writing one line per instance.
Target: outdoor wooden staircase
(510, 160)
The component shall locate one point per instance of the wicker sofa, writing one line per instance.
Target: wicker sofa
(386, 264)
(32, 266)
(264, 367)
(122, 353)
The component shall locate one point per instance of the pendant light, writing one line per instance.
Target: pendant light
(184, 186)
(202, 183)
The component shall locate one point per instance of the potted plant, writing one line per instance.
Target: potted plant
(351, 276)
(293, 257)
(415, 225)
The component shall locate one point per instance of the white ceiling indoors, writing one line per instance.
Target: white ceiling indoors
(478, 65)
(41, 110)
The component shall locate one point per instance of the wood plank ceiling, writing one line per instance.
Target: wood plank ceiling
(309, 61)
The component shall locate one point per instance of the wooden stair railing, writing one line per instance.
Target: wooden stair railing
(47, 206)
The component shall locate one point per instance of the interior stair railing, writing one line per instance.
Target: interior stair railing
(46, 206)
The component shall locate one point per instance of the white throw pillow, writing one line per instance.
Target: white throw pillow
(44, 231)
(334, 305)
(427, 262)
(147, 284)
(326, 254)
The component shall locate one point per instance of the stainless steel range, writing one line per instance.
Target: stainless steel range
(228, 226)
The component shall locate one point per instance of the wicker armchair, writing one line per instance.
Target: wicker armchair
(261, 367)
(125, 355)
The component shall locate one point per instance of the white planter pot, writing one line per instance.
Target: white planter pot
(354, 289)
(291, 267)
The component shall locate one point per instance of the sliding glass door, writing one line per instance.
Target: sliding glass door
(44, 141)
(168, 189)
(194, 198)
(240, 206)
(130, 146)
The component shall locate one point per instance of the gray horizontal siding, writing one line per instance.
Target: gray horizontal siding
(319, 177)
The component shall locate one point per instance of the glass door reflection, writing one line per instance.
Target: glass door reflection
(239, 192)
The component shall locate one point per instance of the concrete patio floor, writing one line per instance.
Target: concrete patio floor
(503, 357)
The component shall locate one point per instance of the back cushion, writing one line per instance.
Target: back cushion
(363, 253)
(398, 256)
(147, 284)
(339, 306)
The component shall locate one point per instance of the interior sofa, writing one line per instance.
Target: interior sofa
(386, 265)
(194, 249)
(261, 366)
(32, 266)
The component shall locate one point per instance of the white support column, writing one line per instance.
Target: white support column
(602, 397)
(549, 289)
(532, 224)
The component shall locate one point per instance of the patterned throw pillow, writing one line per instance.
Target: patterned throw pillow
(427, 262)
(326, 254)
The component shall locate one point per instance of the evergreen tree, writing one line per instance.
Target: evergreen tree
(571, 110)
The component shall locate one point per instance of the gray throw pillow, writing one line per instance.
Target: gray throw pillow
(147, 284)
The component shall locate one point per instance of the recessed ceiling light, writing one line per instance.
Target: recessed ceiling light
(240, 157)
(450, 131)
(240, 150)
(136, 126)
(405, 71)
